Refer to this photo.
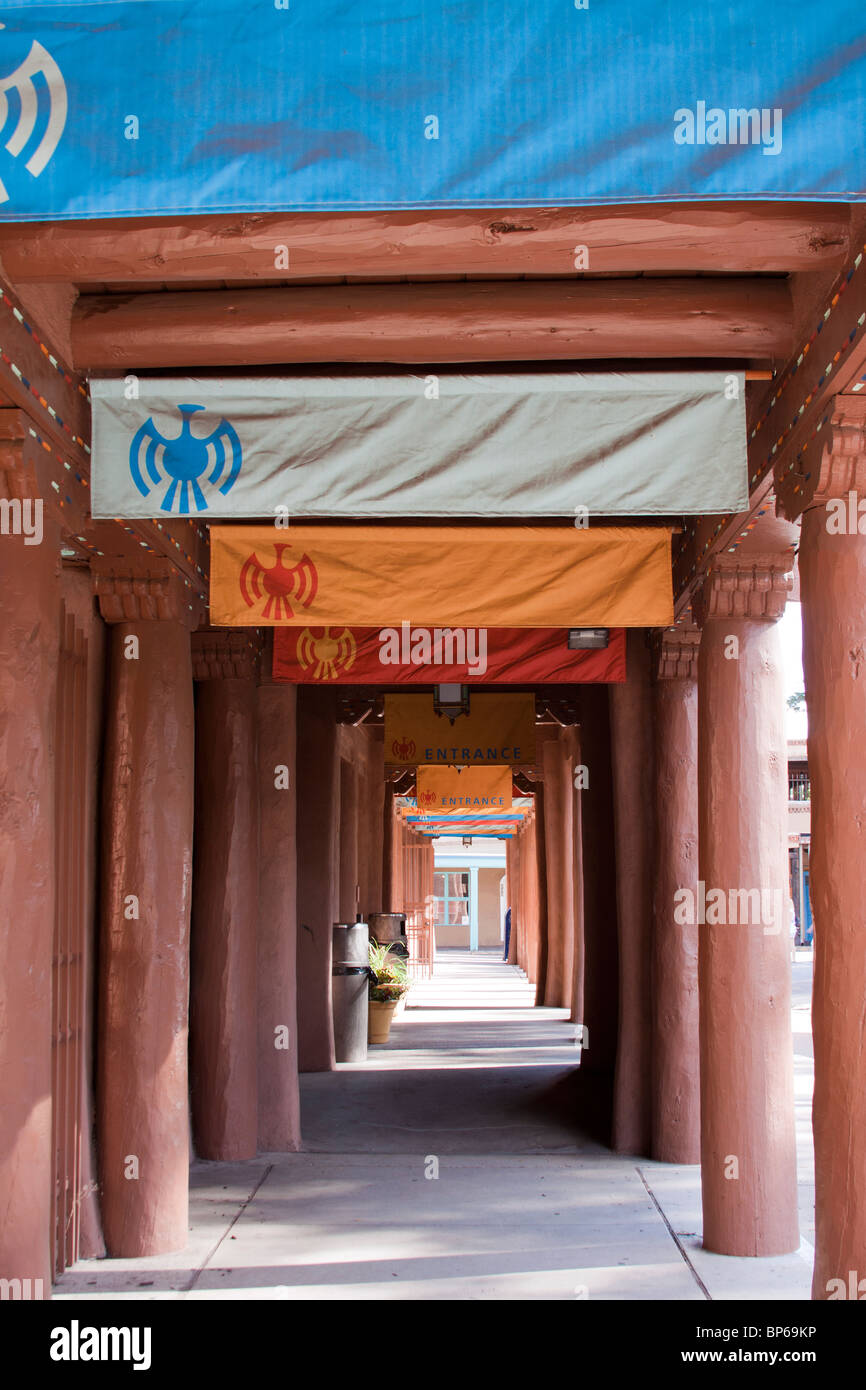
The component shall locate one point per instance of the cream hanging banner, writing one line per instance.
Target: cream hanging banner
(496, 444)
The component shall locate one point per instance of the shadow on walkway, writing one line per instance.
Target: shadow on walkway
(472, 1067)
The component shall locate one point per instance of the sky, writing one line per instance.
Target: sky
(795, 721)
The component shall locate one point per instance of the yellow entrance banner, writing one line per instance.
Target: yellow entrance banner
(446, 790)
(450, 576)
(497, 729)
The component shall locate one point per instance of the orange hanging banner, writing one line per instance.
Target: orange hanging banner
(497, 729)
(453, 576)
(447, 790)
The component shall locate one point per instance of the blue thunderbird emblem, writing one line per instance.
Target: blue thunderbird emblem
(181, 462)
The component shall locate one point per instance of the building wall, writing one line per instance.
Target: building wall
(488, 906)
(489, 879)
(453, 936)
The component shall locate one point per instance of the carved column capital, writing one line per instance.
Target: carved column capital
(676, 653)
(745, 586)
(832, 464)
(18, 476)
(226, 654)
(150, 590)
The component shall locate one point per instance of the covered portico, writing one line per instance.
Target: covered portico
(649, 424)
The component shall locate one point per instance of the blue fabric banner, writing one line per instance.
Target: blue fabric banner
(196, 106)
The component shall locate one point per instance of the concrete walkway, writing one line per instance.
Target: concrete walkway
(463, 1161)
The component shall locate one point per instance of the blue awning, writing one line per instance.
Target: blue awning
(118, 108)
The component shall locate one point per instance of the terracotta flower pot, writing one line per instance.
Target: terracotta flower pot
(381, 1011)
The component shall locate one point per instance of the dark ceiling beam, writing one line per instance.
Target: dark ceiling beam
(733, 318)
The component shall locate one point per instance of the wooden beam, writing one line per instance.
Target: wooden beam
(736, 237)
(783, 422)
(34, 378)
(45, 404)
(481, 322)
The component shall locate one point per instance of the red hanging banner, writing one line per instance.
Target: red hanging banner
(412, 655)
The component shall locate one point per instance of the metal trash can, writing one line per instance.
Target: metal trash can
(350, 989)
(389, 929)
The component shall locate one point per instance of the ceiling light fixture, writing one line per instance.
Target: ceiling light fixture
(583, 639)
(451, 700)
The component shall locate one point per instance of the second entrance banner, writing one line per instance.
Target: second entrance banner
(443, 790)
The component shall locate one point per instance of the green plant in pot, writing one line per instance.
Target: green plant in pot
(389, 982)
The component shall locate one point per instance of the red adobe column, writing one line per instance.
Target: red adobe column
(29, 647)
(523, 934)
(578, 945)
(390, 848)
(349, 835)
(550, 982)
(569, 745)
(511, 852)
(318, 872)
(515, 955)
(371, 837)
(279, 1098)
(632, 760)
(558, 984)
(398, 874)
(538, 882)
(676, 1117)
(598, 884)
(143, 1102)
(748, 1156)
(833, 593)
(223, 1051)
(528, 895)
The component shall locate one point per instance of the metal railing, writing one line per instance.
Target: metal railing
(421, 939)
